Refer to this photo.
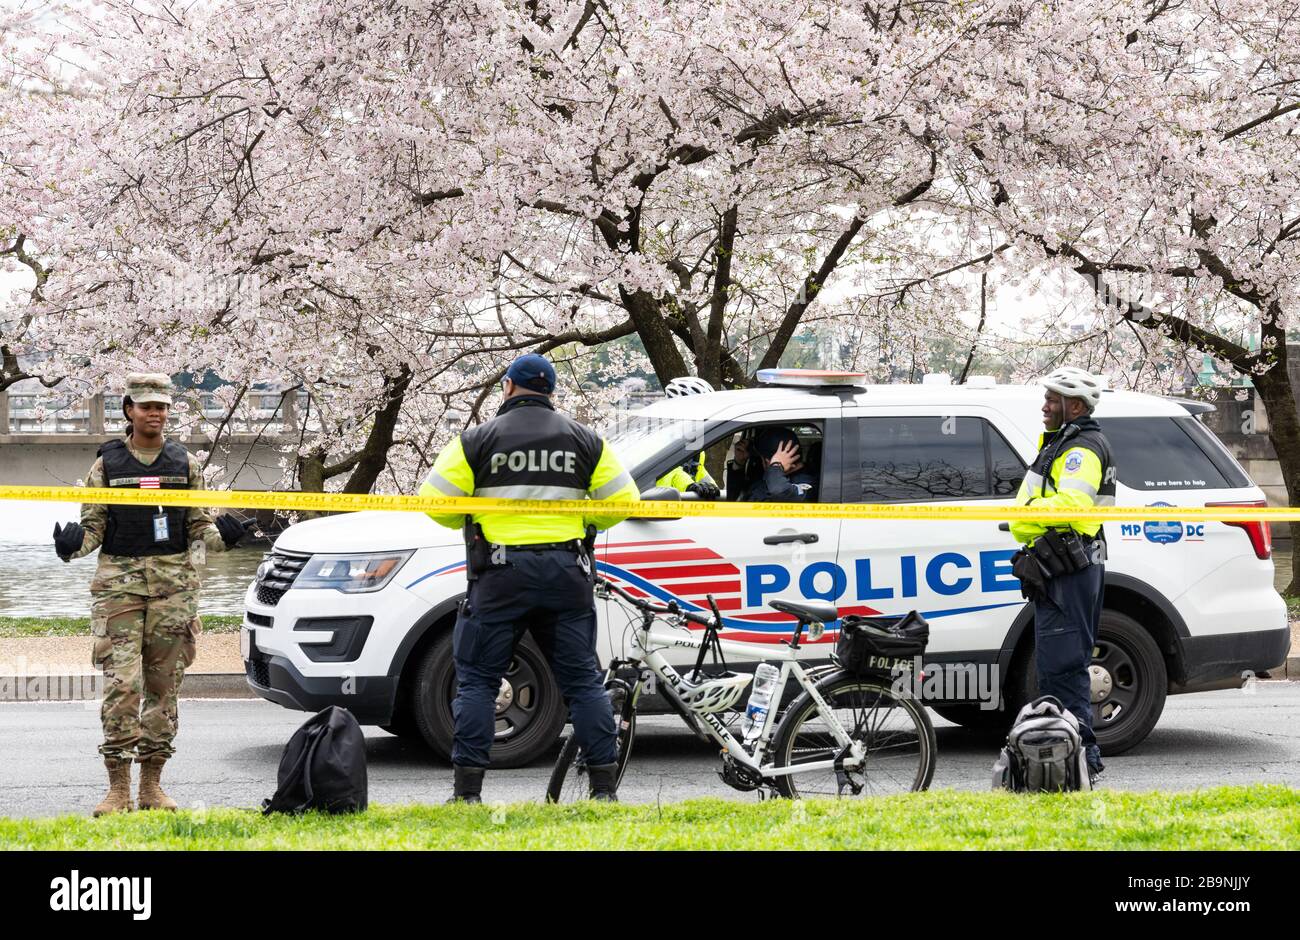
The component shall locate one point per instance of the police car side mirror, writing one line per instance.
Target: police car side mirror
(667, 493)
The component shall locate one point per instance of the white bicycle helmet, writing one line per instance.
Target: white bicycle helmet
(712, 693)
(687, 385)
(1070, 382)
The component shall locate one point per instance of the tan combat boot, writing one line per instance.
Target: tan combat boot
(151, 791)
(118, 798)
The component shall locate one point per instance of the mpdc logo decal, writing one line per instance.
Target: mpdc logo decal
(1162, 531)
(1074, 461)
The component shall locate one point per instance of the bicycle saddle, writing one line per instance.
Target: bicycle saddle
(806, 611)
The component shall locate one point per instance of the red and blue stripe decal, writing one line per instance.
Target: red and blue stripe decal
(681, 570)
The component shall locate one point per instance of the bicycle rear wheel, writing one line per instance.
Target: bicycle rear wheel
(895, 731)
(569, 782)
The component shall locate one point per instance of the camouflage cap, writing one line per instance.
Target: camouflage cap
(149, 386)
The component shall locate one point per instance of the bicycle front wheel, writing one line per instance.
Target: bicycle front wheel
(569, 782)
(895, 732)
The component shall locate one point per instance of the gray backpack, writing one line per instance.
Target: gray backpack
(1044, 752)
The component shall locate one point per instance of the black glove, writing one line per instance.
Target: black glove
(231, 529)
(704, 489)
(68, 539)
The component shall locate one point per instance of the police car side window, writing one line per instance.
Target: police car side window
(917, 458)
(1004, 464)
(1158, 453)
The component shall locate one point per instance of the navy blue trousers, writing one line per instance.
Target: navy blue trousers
(548, 594)
(1065, 629)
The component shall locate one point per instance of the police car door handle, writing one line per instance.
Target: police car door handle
(809, 537)
(1004, 526)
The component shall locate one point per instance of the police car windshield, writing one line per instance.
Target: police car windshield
(637, 438)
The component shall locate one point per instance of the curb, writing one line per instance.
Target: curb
(88, 686)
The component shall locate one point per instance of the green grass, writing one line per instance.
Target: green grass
(1257, 817)
(15, 627)
(1292, 606)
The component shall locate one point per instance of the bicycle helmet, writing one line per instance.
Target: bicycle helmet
(1070, 382)
(712, 693)
(687, 385)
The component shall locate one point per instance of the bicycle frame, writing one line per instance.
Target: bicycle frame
(648, 643)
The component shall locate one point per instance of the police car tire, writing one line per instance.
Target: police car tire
(431, 706)
(1147, 678)
(1150, 677)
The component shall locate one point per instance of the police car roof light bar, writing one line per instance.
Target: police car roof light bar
(812, 378)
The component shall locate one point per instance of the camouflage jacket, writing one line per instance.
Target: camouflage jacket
(152, 575)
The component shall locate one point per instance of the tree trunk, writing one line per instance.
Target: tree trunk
(1275, 388)
(651, 325)
(373, 457)
(311, 476)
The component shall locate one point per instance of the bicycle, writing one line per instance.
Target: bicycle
(844, 735)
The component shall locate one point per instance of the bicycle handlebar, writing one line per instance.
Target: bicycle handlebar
(672, 608)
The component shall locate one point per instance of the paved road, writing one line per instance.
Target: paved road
(229, 751)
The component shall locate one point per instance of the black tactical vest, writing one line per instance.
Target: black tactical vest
(130, 529)
(1084, 432)
(531, 451)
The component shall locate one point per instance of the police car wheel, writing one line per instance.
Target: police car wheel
(1129, 683)
(530, 710)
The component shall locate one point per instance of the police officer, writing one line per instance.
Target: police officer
(529, 571)
(778, 475)
(692, 476)
(144, 613)
(1073, 470)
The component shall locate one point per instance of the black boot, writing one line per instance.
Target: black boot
(604, 782)
(469, 785)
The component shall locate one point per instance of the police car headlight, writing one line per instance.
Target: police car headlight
(352, 574)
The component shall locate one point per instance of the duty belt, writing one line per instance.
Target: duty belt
(573, 545)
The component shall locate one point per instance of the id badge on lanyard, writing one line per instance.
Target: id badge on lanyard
(161, 532)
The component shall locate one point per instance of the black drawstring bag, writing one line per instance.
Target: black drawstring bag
(880, 644)
(323, 766)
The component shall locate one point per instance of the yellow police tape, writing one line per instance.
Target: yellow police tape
(651, 509)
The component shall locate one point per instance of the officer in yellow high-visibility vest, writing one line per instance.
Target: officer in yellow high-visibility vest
(529, 571)
(1062, 565)
(691, 476)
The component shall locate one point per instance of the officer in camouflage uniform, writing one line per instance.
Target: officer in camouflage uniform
(144, 616)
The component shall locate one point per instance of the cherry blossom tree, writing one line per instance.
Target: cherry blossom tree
(1150, 150)
(383, 203)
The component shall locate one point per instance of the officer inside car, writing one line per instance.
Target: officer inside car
(1061, 567)
(529, 570)
(770, 469)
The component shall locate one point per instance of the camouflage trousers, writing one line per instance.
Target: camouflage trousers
(143, 645)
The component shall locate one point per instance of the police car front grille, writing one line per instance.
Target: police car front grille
(277, 576)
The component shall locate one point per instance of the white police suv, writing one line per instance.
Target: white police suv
(357, 610)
